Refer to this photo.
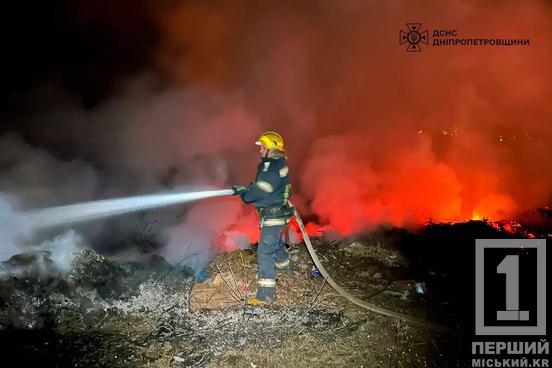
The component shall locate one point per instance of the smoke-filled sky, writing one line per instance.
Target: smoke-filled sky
(102, 98)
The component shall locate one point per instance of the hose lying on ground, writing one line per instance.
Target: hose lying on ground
(344, 293)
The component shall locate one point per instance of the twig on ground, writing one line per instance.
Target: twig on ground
(186, 255)
(101, 321)
(317, 295)
(170, 308)
(313, 303)
(393, 355)
(245, 278)
(235, 282)
(243, 265)
(434, 344)
(232, 292)
(198, 363)
(211, 296)
(171, 355)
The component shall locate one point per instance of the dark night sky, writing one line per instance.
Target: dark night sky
(85, 47)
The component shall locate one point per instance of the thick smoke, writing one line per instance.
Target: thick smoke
(193, 242)
(39, 179)
(16, 236)
(374, 135)
(377, 135)
(9, 233)
(33, 177)
(143, 142)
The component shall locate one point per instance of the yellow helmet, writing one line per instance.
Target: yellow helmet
(271, 140)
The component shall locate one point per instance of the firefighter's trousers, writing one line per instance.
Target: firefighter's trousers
(271, 254)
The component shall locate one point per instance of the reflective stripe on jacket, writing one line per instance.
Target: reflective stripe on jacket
(272, 185)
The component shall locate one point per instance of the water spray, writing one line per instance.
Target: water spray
(55, 216)
(87, 211)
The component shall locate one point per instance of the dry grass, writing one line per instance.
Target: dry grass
(376, 341)
(374, 344)
(309, 325)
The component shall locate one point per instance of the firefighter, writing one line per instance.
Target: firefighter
(270, 194)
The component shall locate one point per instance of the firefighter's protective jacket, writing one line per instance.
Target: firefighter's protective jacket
(271, 187)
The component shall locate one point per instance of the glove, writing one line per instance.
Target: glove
(238, 189)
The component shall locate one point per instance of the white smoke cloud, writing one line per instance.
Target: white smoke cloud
(139, 142)
(16, 237)
(32, 177)
(61, 249)
(10, 231)
(194, 241)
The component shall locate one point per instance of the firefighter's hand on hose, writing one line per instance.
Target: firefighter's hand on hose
(238, 189)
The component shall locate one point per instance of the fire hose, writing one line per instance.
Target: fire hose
(88, 211)
(344, 293)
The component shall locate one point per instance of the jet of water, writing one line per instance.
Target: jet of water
(87, 211)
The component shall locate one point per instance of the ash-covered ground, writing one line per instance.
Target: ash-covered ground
(103, 313)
